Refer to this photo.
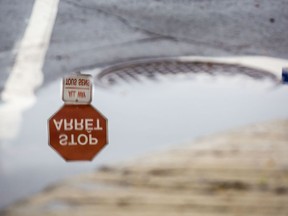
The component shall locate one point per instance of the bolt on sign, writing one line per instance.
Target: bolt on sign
(77, 131)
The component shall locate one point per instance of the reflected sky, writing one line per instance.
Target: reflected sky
(142, 117)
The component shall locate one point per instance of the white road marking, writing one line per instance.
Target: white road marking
(26, 75)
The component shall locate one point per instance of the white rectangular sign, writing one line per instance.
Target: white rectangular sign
(77, 89)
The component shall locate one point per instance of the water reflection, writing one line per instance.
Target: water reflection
(142, 118)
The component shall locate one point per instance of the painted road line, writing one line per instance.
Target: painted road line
(26, 74)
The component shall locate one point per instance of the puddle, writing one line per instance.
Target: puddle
(56, 206)
(143, 117)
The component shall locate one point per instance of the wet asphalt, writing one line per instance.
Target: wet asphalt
(94, 33)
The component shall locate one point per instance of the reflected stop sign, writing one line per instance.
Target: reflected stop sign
(77, 132)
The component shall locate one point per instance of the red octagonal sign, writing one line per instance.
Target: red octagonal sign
(77, 132)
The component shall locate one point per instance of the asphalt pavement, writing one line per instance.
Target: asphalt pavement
(94, 33)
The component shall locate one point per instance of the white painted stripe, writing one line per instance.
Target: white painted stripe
(26, 74)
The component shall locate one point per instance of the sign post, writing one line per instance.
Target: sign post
(77, 131)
